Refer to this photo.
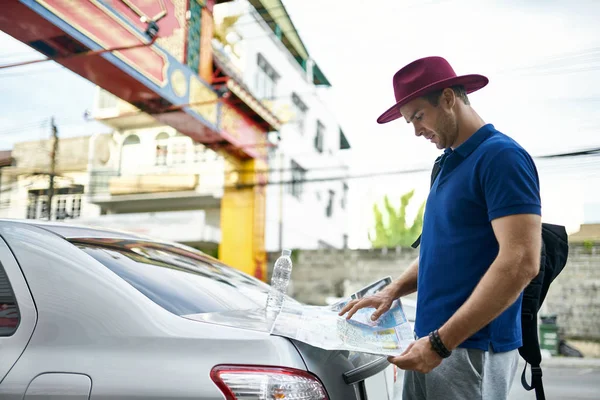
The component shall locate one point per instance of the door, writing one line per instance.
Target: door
(17, 313)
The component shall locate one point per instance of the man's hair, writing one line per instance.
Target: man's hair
(434, 97)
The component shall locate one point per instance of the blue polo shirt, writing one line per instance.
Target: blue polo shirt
(487, 177)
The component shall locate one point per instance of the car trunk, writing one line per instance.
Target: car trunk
(345, 374)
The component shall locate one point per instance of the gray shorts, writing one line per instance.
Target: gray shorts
(468, 374)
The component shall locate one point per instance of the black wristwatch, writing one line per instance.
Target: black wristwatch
(437, 345)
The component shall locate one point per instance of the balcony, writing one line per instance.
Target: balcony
(155, 191)
(139, 184)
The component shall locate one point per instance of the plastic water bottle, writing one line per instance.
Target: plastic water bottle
(280, 280)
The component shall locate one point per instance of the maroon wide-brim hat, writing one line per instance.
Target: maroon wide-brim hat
(424, 76)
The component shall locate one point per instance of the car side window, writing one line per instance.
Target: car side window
(9, 311)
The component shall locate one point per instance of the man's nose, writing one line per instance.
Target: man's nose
(418, 131)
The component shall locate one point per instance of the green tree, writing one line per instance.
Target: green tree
(391, 229)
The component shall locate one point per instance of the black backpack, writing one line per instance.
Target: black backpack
(555, 251)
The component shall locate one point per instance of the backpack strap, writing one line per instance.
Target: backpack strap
(437, 166)
(530, 350)
(536, 381)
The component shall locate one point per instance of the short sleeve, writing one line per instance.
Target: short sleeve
(511, 185)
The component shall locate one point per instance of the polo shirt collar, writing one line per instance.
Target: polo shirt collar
(475, 140)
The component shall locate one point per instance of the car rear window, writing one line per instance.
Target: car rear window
(182, 285)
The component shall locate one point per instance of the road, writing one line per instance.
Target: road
(560, 383)
(563, 384)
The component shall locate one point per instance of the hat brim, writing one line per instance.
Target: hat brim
(471, 84)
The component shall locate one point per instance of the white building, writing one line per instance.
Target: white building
(265, 49)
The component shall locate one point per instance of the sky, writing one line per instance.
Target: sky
(542, 58)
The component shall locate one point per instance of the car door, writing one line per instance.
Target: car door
(17, 318)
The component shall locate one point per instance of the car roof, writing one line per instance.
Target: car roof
(69, 230)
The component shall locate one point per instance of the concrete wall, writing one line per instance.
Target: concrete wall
(574, 296)
(318, 274)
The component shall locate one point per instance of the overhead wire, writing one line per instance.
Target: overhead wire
(272, 33)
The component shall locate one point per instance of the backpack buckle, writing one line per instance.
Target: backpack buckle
(536, 372)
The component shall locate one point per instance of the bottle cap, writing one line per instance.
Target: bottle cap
(286, 252)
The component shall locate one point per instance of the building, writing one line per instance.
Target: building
(222, 143)
(157, 182)
(258, 43)
(154, 173)
(26, 181)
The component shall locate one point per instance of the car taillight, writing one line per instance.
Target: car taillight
(238, 382)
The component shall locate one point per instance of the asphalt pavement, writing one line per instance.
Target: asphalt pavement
(564, 379)
(563, 383)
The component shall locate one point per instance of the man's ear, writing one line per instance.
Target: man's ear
(448, 98)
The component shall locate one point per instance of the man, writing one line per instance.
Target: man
(480, 245)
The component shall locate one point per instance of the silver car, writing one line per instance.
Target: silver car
(102, 315)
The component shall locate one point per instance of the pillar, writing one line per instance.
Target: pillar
(243, 217)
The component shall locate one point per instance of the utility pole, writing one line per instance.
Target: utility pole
(53, 154)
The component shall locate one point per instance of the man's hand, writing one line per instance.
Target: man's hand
(419, 356)
(381, 301)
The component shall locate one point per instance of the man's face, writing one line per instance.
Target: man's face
(436, 124)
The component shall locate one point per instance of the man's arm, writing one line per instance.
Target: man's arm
(407, 282)
(382, 301)
(518, 261)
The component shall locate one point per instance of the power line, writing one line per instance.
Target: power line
(19, 129)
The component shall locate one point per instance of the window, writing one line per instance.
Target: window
(178, 280)
(319, 137)
(299, 109)
(298, 177)
(162, 148)
(266, 79)
(9, 311)
(344, 196)
(61, 209)
(32, 207)
(131, 139)
(45, 210)
(329, 209)
(76, 207)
